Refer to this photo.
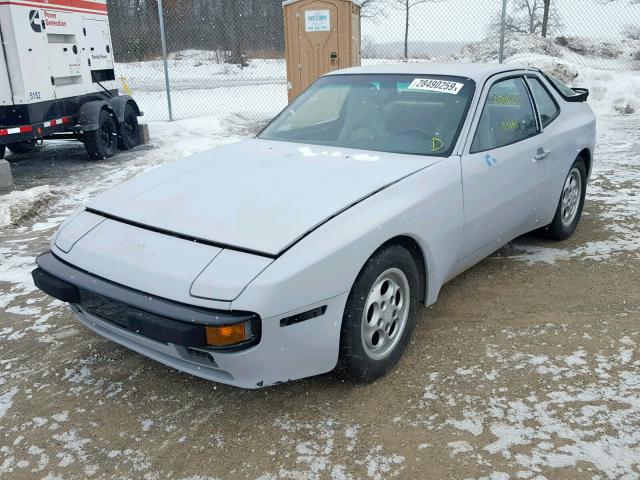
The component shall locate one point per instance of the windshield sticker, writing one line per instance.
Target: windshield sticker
(510, 125)
(432, 85)
(505, 99)
(436, 144)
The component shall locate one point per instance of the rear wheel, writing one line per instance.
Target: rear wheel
(103, 142)
(22, 148)
(3, 148)
(570, 205)
(380, 315)
(129, 127)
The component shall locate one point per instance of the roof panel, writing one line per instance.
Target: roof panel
(474, 71)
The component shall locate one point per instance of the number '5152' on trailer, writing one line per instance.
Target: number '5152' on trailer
(57, 78)
(314, 245)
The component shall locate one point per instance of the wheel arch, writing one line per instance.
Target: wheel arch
(89, 114)
(586, 156)
(119, 105)
(413, 247)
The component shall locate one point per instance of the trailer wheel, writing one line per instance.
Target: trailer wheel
(22, 148)
(103, 142)
(2, 150)
(129, 127)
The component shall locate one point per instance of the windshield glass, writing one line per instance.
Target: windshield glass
(415, 114)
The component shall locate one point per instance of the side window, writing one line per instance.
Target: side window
(507, 116)
(546, 104)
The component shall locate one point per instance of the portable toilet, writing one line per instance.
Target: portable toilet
(320, 36)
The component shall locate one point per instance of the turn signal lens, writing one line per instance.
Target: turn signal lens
(226, 335)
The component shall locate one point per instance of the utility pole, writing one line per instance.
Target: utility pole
(502, 30)
(164, 58)
(545, 18)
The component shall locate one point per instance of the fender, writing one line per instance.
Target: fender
(119, 104)
(89, 114)
(425, 206)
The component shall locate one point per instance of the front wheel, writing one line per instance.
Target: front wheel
(570, 205)
(103, 142)
(380, 315)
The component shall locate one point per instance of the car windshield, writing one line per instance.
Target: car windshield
(414, 114)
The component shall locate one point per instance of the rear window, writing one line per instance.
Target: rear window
(560, 87)
(547, 106)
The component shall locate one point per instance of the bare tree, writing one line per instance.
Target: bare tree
(406, 6)
(373, 8)
(529, 16)
(545, 17)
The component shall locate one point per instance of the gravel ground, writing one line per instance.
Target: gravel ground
(527, 367)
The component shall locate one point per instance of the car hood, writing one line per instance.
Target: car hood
(257, 195)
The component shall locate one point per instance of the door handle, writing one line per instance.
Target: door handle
(541, 154)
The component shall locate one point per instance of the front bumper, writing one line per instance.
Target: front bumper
(168, 332)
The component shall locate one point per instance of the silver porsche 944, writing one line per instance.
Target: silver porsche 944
(313, 246)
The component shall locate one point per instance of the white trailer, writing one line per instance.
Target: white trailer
(57, 78)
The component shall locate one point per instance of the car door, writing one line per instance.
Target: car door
(502, 180)
(557, 151)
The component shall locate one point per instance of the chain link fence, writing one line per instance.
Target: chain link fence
(226, 57)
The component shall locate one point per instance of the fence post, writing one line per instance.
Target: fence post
(164, 58)
(502, 30)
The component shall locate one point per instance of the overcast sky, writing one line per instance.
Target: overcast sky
(465, 20)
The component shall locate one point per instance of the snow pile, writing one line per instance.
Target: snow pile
(609, 91)
(199, 68)
(579, 62)
(200, 85)
(625, 50)
(487, 50)
(621, 54)
(18, 206)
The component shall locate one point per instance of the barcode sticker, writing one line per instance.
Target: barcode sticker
(433, 85)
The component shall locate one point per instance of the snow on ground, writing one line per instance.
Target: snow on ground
(170, 142)
(200, 86)
(19, 205)
(583, 410)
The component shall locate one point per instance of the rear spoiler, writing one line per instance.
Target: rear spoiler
(581, 95)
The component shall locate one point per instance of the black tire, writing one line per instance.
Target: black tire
(3, 149)
(356, 360)
(564, 224)
(103, 142)
(128, 137)
(22, 148)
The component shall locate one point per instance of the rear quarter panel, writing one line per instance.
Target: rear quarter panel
(572, 132)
